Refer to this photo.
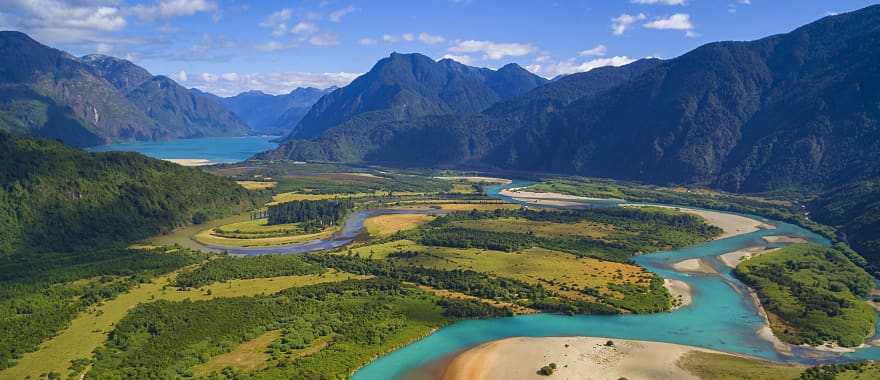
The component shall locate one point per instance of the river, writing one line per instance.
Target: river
(721, 317)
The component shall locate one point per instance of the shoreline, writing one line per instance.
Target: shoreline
(680, 291)
(189, 161)
(522, 357)
(694, 266)
(731, 224)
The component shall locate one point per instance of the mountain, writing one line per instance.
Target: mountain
(408, 86)
(274, 114)
(56, 197)
(796, 110)
(183, 112)
(97, 99)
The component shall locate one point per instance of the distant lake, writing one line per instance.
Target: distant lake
(214, 149)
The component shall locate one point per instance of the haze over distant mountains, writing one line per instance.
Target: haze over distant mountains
(98, 99)
(274, 114)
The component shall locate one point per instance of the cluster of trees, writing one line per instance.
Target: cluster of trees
(312, 215)
(57, 198)
(640, 300)
(469, 282)
(834, 371)
(41, 294)
(359, 320)
(634, 230)
(816, 291)
(229, 267)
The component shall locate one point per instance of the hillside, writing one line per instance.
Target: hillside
(407, 86)
(274, 114)
(97, 99)
(797, 110)
(54, 197)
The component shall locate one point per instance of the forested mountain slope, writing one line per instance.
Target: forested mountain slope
(53, 197)
(274, 114)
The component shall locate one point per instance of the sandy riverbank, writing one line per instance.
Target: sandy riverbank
(680, 291)
(518, 193)
(732, 224)
(189, 161)
(575, 358)
(477, 179)
(784, 240)
(732, 259)
(698, 266)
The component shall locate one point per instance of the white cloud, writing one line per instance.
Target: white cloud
(621, 23)
(270, 83)
(388, 38)
(102, 48)
(304, 27)
(492, 50)
(572, 66)
(431, 40)
(597, 51)
(274, 46)
(277, 21)
(325, 39)
(180, 76)
(678, 21)
(367, 41)
(56, 21)
(409, 37)
(661, 2)
(467, 60)
(337, 16)
(173, 8)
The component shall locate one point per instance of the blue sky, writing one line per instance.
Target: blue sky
(228, 46)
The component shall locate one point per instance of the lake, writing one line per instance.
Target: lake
(213, 149)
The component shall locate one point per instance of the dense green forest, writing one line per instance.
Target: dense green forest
(53, 197)
(313, 215)
(226, 268)
(356, 319)
(635, 230)
(815, 291)
(855, 210)
(40, 294)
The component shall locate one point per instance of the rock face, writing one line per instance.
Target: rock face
(274, 114)
(796, 110)
(95, 99)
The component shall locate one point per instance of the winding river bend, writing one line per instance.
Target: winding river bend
(721, 317)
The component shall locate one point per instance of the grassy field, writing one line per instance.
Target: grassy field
(257, 185)
(297, 196)
(209, 236)
(384, 225)
(710, 366)
(249, 356)
(538, 228)
(89, 330)
(454, 205)
(561, 272)
(183, 236)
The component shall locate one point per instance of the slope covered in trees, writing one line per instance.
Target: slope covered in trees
(274, 114)
(53, 197)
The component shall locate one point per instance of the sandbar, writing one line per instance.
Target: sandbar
(189, 161)
(694, 266)
(784, 239)
(680, 291)
(732, 259)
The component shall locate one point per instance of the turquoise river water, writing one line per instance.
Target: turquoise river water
(219, 150)
(721, 317)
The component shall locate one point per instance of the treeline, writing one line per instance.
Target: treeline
(57, 198)
(228, 268)
(635, 230)
(313, 215)
(41, 294)
(816, 291)
(358, 319)
(469, 282)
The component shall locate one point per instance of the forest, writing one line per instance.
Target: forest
(228, 268)
(816, 292)
(313, 215)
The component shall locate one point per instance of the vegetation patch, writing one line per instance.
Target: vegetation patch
(712, 366)
(815, 292)
(385, 225)
(257, 185)
(247, 357)
(228, 267)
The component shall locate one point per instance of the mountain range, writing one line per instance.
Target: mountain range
(98, 99)
(796, 110)
(274, 114)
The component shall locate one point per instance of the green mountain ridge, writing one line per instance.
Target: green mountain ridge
(274, 114)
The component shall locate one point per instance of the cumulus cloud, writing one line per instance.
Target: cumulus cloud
(492, 50)
(173, 8)
(275, 46)
(61, 21)
(431, 40)
(660, 2)
(229, 84)
(597, 51)
(304, 27)
(572, 66)
(337, 16)
(390, 38)
(678, 21)
(277, 21)
(325, 39)
(181, 76)
(102, 48)
(467, 60)
(621, 23)
(367, 41)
